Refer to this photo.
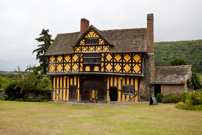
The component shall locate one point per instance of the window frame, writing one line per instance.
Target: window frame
(91, 39)
(126, 91)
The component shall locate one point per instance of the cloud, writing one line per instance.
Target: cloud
(22, 21)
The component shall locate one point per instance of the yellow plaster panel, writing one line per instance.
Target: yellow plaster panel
(136, 98)
(60, 87)
(75, 67)
(67, 81)
(102, 58)
(98, 48)
(131, 97)
(105, 48)
(109, 57)
(84, 49)
(117, 57)
(136, 68)
(91, 34)
(75, 58)
(127, 58)
(52, 59)
(102, 68)
(111, 81)
(77, 49)
(59, 68)
(127, 98)
(117, 68)
(78, 82)
(136, 89)
(96, 68)
(91, 49)
(78, 96)
(67, 67)
(51, 68)
(57, 87)
(81, 65)
(127, 67)
(108, 96)
(74, 80)
(127, 80)
(101, 42)
(87, 68)
(60, 58)
(137, 58)
(136, 84)
(108, 82)
(131, 81)
(54, 87)
(82, 42)
(67, 94)
(64, 95)
(68, 58)
(109, 67)
(64, 85)
(115, 81)
(93, 93)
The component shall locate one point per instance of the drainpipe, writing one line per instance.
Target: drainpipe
(149, 77)
(146, 77)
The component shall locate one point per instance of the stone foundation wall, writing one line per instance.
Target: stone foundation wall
(172, 89)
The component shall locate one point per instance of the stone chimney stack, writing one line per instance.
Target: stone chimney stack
(150, 33)
(84, 25)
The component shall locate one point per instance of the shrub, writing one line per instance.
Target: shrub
(171, 99)
(183, 96)
(159, 97)
(2, 98)
(194, 98)
(164, 100)
(192, 101)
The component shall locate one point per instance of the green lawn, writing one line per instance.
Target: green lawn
(25, 118)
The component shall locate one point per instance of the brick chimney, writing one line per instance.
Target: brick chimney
(84, 25)
(150, 33)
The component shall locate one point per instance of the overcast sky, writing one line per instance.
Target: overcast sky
(21, 21)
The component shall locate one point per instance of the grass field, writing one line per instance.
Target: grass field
(43, 118)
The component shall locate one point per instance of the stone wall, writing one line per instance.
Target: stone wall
(167, 89)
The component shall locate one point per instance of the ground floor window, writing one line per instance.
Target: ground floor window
(127, 89)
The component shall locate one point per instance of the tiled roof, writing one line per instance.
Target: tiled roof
(172, 74)
(123, 40)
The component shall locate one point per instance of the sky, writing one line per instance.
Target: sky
(21, 21)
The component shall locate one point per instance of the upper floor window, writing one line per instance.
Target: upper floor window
(90, 41)
(92, 58)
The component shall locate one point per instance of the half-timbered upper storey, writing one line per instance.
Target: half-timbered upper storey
(99, 52)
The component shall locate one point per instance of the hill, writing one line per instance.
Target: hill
(190, 51)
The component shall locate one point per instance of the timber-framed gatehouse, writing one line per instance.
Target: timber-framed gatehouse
(102, 65)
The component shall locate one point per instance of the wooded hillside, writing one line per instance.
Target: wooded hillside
(190, 51)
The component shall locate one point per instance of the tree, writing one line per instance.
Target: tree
(177, 62)
(46, 40)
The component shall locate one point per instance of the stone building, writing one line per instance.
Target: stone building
(172, 79)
